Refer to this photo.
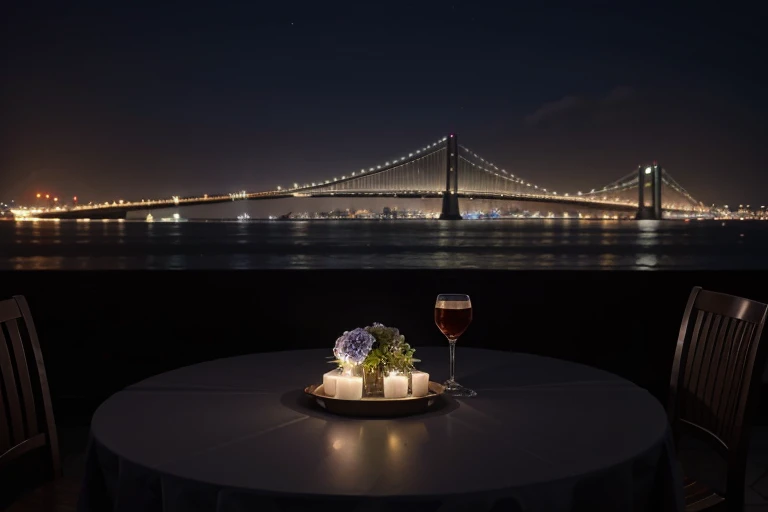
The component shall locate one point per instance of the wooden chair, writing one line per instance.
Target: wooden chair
(712, 394)
(27, 428)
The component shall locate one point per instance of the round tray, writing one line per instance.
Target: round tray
(376, 406)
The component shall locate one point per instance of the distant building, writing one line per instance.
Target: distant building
(363, 214)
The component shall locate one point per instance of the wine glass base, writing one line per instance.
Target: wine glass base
(457, 390)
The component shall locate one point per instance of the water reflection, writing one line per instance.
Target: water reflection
(37, 263)
(606, 260)
(177, 261)
(649, 225)
(646, 260)
(515, 244)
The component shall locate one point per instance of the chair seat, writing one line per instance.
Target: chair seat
(58, 495)
(700, 497)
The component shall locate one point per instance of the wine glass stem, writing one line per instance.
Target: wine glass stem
(452, 344)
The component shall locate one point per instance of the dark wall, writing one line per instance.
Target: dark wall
(101, 331)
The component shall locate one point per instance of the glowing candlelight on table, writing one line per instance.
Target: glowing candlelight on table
(419, 383)
(329, 382)
(349, 387)
(395, 385)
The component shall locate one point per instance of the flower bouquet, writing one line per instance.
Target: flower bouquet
(373, 353)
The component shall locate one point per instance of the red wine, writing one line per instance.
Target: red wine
(453, 317)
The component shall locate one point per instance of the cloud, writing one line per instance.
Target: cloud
(619, 95)
(555, 109)
(571, 104)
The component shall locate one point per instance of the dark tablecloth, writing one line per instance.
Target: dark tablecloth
(238, 434)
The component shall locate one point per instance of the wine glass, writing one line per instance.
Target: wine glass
(453, 314)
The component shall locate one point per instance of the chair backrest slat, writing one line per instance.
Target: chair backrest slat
(13, 403)
(711, 391)
(5, 435)
(741, 387)
(715, 364)
(720, 398)
(731, 376)
(693, 370)
(21, 417)
(25, 380)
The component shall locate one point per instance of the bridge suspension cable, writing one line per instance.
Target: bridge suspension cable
(481, 175)
(670, 182)
(422, 170)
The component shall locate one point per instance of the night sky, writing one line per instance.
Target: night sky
(106, 102)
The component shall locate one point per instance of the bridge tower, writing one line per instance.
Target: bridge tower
(450, 209)
(653, 175)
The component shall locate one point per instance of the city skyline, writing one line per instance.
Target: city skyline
(110, 102)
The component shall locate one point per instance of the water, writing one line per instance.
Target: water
(498, 244)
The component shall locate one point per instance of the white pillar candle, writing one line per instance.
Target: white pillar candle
(329, 382)
(395, 385)
(349, 387)
(419, 383)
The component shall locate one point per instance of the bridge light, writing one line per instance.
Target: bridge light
(410, 155)
(386, 163)
(648, 170)
(47, 196)
(370, 169)
(38, 196)
(378, 167)
(55, 199)
(295, 185)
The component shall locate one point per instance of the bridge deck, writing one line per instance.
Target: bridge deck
(120, 211)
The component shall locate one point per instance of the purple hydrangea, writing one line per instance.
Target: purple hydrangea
(353, 346)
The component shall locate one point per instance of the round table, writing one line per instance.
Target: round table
(239, 434)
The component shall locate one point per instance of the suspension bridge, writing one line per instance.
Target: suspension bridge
(449, 171)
